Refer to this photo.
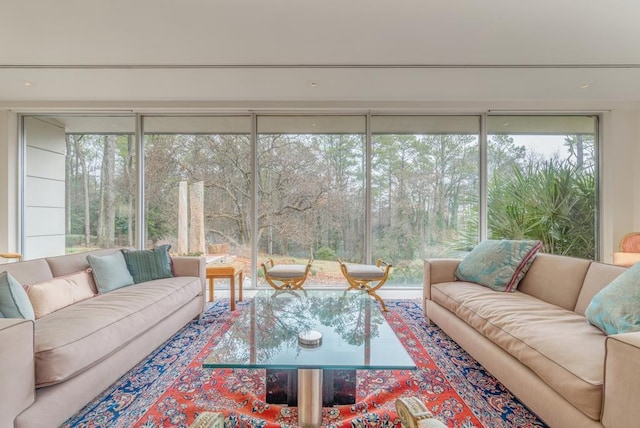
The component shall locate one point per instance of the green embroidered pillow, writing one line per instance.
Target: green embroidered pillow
(147, 265)
(616, 308)
(499, 265)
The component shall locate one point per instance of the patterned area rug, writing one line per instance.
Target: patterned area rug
(171, 388)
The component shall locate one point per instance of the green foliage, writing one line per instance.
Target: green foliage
(325, 253)
(156, 224)
(74, 240)
(407, 272)
(551, 201)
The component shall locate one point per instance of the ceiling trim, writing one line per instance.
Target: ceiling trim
(317, 66)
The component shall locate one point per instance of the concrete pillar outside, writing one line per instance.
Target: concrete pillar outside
(196, 202)
(183, 218)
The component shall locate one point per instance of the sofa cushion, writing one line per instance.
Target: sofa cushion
(499, 265)
(14, 301)
(147, 265)
(110, 272)
(598, 276)
(616, 308)
(555, 279)
(49, 296)
(71, 263)
(75, 338)
(558, 345)
(28, 271)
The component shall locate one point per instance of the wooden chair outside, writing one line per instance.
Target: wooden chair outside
(286, 277)
(360, 276)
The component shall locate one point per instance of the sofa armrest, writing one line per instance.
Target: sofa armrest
(193, 266)
(435, 271)
(17, 373)
(622, 381)
(189, 266)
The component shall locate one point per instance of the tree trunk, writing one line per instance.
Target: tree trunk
(67, 185)
(579, 151)
(130, 190)
(85, 192)
(107, 200)
(197, 242)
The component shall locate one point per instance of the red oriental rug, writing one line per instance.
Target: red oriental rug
(171, 388)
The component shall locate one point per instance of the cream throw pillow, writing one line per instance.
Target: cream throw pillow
(49, 296)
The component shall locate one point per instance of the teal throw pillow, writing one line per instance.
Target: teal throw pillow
(499, 265)
(616, 308)
(147, 265)
(14, 302)
(109, 272)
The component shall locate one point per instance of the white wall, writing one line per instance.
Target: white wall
(620, 198)
(44, 190)
(8, 182)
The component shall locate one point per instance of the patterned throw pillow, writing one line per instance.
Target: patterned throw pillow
(499, 265)
(60, 292)
(147, 265)
(14, 302)
(110, 272)
(616, 308)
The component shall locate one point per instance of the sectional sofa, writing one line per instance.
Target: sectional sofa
(53, 366)
(537, 341)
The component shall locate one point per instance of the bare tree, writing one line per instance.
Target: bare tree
(106, 223)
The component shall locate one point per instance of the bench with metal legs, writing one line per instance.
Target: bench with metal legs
(360, 276)
(286, 277)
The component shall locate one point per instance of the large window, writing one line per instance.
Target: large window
(197, 185)
(311, 191)
(310, 186)
(542, 181)
(80, 184)
(425, 187)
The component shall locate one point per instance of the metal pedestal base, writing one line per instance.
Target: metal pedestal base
(309, 397)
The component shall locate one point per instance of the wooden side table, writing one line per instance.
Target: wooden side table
(226, 271)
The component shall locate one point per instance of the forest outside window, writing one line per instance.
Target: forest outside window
(320, 188)
(79, 185)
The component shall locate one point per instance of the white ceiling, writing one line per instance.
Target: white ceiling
(207, 51)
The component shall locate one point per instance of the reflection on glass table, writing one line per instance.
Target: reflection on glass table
(355, 335)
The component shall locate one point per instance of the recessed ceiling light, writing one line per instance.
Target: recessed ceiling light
(584, 85)
(314, 84)
(27, 83)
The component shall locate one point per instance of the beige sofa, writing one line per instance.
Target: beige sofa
(55, 365)
(537, 342)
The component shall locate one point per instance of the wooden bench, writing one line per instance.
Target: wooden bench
(359, 277)
(286, 277)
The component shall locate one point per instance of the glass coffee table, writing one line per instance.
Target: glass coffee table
(279, 331)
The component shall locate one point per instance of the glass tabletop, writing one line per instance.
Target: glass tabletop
(355, 334)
